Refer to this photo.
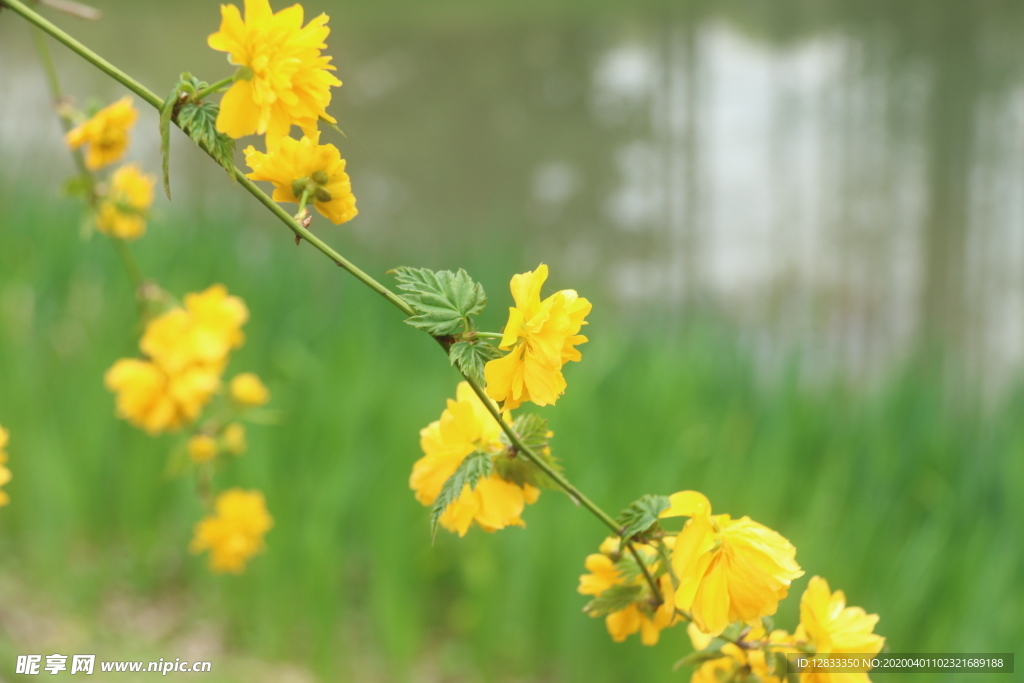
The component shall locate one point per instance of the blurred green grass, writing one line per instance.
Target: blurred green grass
(905, 493)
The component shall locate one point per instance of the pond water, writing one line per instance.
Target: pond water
(847, 179)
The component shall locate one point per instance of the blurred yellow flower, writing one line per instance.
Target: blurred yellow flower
(234, 533)
(305, 165)
(728, 569)
(5, 474)
(204, 332)
(640, 615)
(540, 336)
(833, 628)
(156, 400)
(284, 80)
(464, 428)
(122, 211)
(106, 133)
(187, 350)
(233, 438)
(202, 448)
(247, 390)
(738, 665)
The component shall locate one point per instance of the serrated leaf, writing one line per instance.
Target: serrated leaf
(471, 357)
(614, 599)
(695, 659)
(533, 432)
(470, 471)
(199, 121)
(443, 300)
(642, 515)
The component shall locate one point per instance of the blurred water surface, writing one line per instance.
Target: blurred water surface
(846, 178)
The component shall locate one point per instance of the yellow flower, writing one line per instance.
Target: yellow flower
(833, 628)
(204, 332)
(122, 211)
(300, 165)
(202, 448)
(540, 336)
(233, 438)
(106, 133)
(737, 662)
(234, 534)
(5, 474)
(156, 400)
(285, 79)
(247, 390)
(464, 428)
(187, 349)
(728, 569)
(640, 615)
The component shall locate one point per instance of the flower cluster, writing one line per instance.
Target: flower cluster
(725, 577)
(234, 533)
(283, 80)
(622, 593)
(540, 337)
(186, 352)
(5, 473)
(467, 427)
(120, 206)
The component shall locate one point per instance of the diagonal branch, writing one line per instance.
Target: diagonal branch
(301, 231)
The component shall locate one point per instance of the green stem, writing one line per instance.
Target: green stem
(130, 264)
(489, 335)
(103, 65)
(297, 228)
(214, 87)
(55, 92)
(123, 252)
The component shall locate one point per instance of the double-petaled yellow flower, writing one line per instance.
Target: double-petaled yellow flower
(122, 210)
(202, 448)
(830, 627)
(284, 80)
(541, 336)
(728, 569)
(233, 438)
(5, 474)
(186, 351)
(234, 533)
(465, 427)
(305, 166)
(106, 133)
(641, 615)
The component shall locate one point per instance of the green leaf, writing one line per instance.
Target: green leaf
(533, 432)
(695, 659)
(777, 664)
(614, 599)
(444, 300)
(199, 120)
(471, 357)
(475, 467)
(642, 515)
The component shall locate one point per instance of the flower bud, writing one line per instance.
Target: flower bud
(322, 195)
(320, 177)
(299, 186)
(202, 448)
(244, 73)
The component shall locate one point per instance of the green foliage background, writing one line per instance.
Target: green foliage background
(905, 495)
